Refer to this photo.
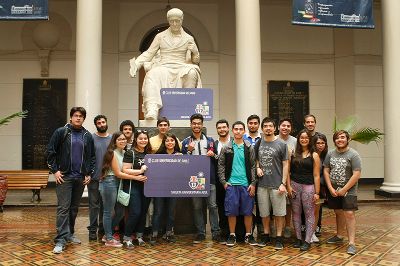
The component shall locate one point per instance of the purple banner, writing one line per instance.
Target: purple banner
(181, 103)
(180, 176)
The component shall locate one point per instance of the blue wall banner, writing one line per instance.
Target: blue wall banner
(178, 176)
(181, 103)
(24, 10)
(333, 13)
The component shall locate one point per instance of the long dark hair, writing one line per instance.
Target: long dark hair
(298, 155)
(322, 137)
(163, 148)
(109, 155)
(147, 149)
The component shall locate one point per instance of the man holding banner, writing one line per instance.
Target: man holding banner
(199, 144)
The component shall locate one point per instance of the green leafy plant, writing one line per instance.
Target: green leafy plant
(7, 120)
(364, 135)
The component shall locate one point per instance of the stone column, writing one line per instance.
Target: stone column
(391, 96)
(248, 59)
(88, 58)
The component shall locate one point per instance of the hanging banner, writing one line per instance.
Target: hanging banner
(333, 13)
(24, 10)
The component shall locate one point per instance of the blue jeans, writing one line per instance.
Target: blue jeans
(213, 212)
(161, 205)
(108, 189)
(95, 207)
(69, 195)
(138, 206)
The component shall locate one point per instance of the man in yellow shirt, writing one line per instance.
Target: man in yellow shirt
(163, 127)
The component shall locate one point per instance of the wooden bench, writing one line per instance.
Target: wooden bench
(27, 179)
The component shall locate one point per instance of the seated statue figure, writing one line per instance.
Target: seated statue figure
(172, 61)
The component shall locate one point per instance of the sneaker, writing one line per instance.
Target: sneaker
(222, 239)
(141, 241)
(59, 248)
(74, 240)
(249, 239)
(318, 231)
(199, 238)
(116, 236)
(305, 246)
(170, 238)
(153, 240)
(92, 236)
(335, 240)
(314, 239)
(113, 243)
(231, 241)
(217, 238)
(128, 244)
(278, 243)
(287, 233)
(104, 239)
(264, 240)
(351, 249)
(297, 243)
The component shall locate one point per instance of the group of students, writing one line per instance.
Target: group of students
(247, 168)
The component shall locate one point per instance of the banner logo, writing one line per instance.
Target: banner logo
(197, 182)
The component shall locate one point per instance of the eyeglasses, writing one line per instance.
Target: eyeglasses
(124, 139)
(141, 131)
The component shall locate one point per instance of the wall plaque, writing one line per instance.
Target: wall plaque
(289, 99)
(46, 101)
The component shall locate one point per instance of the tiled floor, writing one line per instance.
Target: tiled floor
(26, 234)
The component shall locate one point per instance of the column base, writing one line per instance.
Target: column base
(387, 194)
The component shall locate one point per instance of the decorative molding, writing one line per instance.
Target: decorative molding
(362, 59)
(32, 55)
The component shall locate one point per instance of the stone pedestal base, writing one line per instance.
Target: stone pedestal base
(387, 194)
(173, 123)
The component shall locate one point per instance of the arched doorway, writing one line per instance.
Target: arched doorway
(144, 45)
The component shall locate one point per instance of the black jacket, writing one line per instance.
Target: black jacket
(59, 151)
(225, 162)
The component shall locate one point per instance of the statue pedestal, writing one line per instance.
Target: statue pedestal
(173, 123)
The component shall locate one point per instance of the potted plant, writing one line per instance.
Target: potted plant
(363, 135)
(3, 178)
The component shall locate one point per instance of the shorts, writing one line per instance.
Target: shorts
(269, 196)
(238, 201)
(347, 203)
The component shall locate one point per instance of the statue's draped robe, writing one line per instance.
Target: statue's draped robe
(173, 64)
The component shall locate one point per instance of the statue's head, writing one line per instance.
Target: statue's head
(175, 18)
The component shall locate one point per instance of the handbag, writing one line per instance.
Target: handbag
(122, 196)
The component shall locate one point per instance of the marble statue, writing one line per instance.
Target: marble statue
(172, 61)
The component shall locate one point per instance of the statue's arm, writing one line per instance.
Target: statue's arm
(146, 56)
(194, 52)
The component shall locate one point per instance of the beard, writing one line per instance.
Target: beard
(102, 129)
(253, 130)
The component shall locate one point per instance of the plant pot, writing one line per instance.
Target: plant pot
(3, 190)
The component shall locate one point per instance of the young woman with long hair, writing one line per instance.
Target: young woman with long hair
(320, 146)
(169, 145)
(133, 164)
(109, 183)
(303, 187)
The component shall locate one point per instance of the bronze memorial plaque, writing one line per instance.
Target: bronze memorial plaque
(289, 99)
